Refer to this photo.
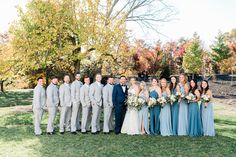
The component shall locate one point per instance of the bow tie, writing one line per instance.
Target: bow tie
(123, 85)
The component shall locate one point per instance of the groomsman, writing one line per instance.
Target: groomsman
(65, 102)
(86, 105)
(108, 105)
(39, 100)
(52, 104)
(76, 105)
(95, 94)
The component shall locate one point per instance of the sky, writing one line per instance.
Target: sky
(206, 17)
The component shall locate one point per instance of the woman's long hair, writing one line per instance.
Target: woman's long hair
(203, 91)
(173, 86)
(161, 85)
(193, 89)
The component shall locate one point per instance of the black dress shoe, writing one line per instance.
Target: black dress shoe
(62, 133)
(94, 133)
(106, 133)
(50, 133)
(74, 132)
(78, 130)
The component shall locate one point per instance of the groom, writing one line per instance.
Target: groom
(119, 96)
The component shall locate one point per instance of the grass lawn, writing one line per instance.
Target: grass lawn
(17, 138)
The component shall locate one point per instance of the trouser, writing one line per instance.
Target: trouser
(38, 113)
(75, 117)
(52, 111)
(107, 125)
(65, 118)
(96, 111)
(120, 111)
(86, 118)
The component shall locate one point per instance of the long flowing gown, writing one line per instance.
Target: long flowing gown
(143, 114)
(154, 115)
(131, 124)
(165, 119)
(175, 115)
(183, 115)
(208, 120)
(194, 119)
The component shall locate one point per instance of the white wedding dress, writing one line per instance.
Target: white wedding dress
(130, 125)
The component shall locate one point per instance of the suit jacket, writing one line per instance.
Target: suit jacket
(65, 95)
(107, 95)
(39, 97)
(52, 95)
(75, 91)
(118, 95)
(95, 93)
(84, 95)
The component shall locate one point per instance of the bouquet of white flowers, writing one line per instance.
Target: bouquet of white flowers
(140, 103)
(132, 101)
(178, 95)
(152, 102)
(172, 99)
(190, 97)
(162, 101)
(205, 99)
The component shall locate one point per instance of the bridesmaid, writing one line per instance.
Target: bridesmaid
(165, 116)
(155, 92)
(143, 113)
(207, 111)
(183, 107)
(174, 87)
(195, 125)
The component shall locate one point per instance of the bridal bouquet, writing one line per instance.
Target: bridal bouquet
(190, 97)
(152, 102)
(132, 101)
(162, 101)
(205, 99)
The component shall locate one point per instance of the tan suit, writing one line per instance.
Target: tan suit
(65, 102)
(52, 104)
(39, 101)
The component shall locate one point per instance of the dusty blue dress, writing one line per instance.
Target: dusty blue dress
(143, 114)
(208, 120)
(175, 115)
(194, 119)
(154, 115)
(183, 115)
(165, 119)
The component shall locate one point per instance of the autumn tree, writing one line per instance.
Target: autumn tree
(192, 59)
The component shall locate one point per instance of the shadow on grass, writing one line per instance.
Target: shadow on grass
(225, 122)
(16, 98)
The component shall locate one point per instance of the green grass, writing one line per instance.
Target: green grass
(17, 139)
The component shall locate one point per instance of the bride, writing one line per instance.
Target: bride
(131, 124)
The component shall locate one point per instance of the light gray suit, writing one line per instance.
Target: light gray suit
(95, 94)
(86, 108)
(52, 104)
(108, 108)
(39, 101)
(65, 102)
(76, 105)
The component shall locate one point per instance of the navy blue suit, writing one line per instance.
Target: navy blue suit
(118, 98)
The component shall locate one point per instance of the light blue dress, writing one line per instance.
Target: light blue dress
(194, 119)
(208, 120)
(165, 119)
(183, 115)
(175, 115)
(154, 115)
(143, 115)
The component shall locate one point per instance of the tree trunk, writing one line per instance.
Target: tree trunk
(77, 66)
(1, 86)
